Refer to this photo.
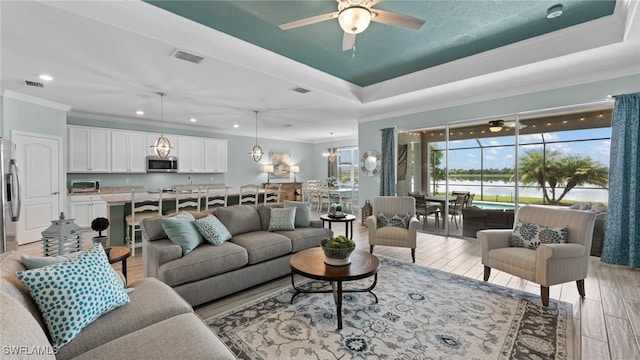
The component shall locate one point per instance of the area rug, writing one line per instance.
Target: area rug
(422, 313)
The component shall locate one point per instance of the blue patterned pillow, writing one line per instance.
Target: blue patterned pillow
(397, 220)
(181, 231)
(72, 294)
(212, 230)
(282, 219)
(532, 235)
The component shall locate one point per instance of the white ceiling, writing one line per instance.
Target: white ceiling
(109, 59)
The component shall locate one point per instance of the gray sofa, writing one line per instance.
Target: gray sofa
(253, 255)
(155, 324)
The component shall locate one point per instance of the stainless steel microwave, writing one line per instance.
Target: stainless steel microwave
(156, 164)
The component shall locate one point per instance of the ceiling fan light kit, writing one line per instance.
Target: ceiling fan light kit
(354, 19)
(496, 125)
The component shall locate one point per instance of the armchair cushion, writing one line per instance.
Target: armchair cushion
(533, 235)
(397, 220)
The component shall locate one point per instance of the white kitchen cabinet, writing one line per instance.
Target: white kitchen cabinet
(89, 150)
(215, 155)
(128, 152)
(191, 158)
(151, 139)
(84, 208)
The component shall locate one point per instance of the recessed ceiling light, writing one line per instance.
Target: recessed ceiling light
(193, 119)
(287, 125)
(140, 112)
(236, 125)
(555, 11)
(45, 77)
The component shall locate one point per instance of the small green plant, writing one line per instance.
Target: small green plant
(339, 242)
(100, 224)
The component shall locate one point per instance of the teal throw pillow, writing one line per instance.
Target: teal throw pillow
(182, 231)
(303, 212)
(213, 230)
(282, 219)
(397, 220)
(74, 293)
(532, 235)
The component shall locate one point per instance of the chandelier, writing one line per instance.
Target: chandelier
(331, 155)
(162, 146)
(256, 150)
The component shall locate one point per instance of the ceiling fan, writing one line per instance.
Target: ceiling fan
(354, 17)
(497, 125)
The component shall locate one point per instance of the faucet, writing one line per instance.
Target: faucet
(190, 180)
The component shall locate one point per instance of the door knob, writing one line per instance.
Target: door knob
(55, 193)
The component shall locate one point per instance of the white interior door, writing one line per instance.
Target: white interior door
(38, 157)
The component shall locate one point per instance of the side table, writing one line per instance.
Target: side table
(120, 253)
(347, 220)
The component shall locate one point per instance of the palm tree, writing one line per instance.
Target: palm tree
(549, 170)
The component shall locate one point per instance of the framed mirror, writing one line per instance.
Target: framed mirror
(370, 163)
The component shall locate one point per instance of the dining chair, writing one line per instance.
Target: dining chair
(144, 204)
(272, 193)
(216, 195)
(249, 195)
(323, 198)
(187, 198)
(313, 192)
(469, 201)
(424, 209)
(455, 210)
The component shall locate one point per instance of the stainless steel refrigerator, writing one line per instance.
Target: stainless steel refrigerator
(10, 196)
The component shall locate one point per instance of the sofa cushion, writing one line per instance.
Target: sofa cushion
(533, 235)
(213, 230)
(303, 212)
(180, 337)
(282, 219)
(74, 293)
(19, 329)
(263, 245)
(203, 262)
(181, 230)
(305, 238)
(152, 302)
(239, 219)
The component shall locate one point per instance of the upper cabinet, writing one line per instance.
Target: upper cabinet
(215, 155)
(89, 149)
(191, 158)
(128, 152)
(99, 150)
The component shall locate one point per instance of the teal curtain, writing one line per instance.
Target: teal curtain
(622, 235)
(388, 168)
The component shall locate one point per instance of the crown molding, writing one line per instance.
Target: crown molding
(34, 100)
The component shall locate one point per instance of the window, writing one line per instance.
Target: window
(348, 166)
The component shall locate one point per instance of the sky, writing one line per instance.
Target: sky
(501, 157)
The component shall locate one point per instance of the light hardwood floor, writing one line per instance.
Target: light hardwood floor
(606, 321)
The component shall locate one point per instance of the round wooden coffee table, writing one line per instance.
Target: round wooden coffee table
(120, 253)
(310, 263)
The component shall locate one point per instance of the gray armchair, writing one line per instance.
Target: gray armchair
(549, 264)
(391, 235)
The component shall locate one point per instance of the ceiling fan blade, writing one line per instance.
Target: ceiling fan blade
(348, 40)
(395, 19)
(309, 21)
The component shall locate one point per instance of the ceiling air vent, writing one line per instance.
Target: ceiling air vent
(179, 54)
(300, 90)
(34, 83)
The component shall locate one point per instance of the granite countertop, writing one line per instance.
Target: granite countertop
(106, 190)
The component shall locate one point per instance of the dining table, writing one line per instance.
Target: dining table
(441, 200)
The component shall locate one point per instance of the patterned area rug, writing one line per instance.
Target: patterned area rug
(422, 314)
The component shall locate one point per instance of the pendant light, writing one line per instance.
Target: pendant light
(162, 146)
(331, 156)
(256, 150)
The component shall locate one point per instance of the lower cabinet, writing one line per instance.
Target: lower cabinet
(84, 208)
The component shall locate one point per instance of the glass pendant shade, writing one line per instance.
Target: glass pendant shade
(256, 151)
(354, 19)
(162, 147)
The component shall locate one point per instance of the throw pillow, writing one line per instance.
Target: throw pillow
(35, 262)
(213, 230)
(181, 231)
(532, 235)
(303, 212)
(397, 220)
(73, 293)
(282, 219)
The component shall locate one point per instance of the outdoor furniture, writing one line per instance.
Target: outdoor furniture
(423, 209)
(475, 219)
(549, 264)
(392, 235)
(455, 210)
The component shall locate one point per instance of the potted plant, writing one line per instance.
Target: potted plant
(100, 224)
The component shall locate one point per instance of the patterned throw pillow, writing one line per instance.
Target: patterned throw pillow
(181, 231)
(213, 230)
(532, 235)
(397, 220)
(282, 219)
(72, 294)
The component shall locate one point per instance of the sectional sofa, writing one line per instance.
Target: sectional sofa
(252, 256)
